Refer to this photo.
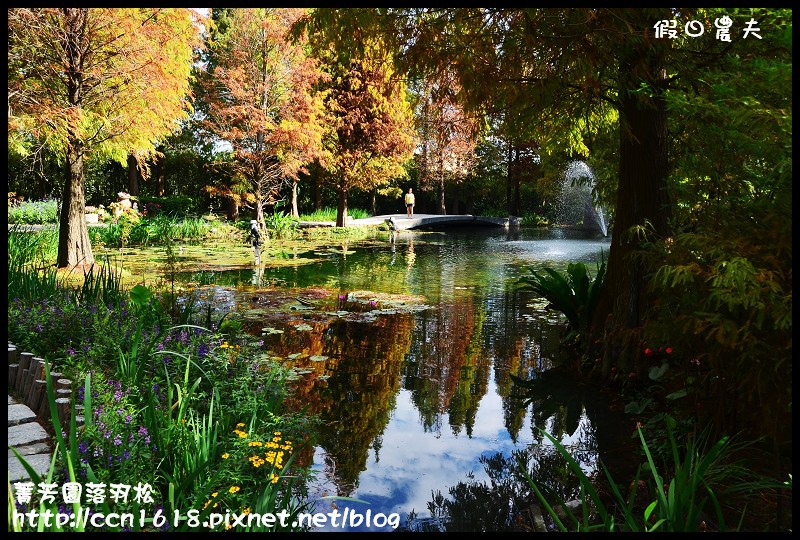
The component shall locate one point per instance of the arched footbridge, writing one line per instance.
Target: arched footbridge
(402, 222)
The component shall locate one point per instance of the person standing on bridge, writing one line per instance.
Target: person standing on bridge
(409, 203)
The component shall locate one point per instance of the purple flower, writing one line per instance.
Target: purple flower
(70, 351)
(128, 418)
(160, 347)
(117, 440)
(342, 297)
(202, 350)
(83, 447)
(39, 327)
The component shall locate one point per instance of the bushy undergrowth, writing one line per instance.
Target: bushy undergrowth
(193, 411)
(34, 212)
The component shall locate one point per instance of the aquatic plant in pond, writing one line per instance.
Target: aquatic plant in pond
(575, 292)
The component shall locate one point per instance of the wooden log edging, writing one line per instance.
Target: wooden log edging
(26, 376)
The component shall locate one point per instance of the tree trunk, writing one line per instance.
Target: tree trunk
(516, 203)
(456, 193)
(442, 211)
(233, 209)
(642, 198)
(74, 247)
(317, 188)
(133, 176)
(295, 211)
(159, 175)
(373, 201)
(341, 210)
(509, 177)
(260, 211)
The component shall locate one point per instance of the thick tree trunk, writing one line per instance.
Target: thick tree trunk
(373, 201)
(341, 209)
(642, 200)
(74, 247)
(133, 176)
(233, 209)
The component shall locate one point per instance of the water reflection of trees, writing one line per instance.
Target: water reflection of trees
(353, 391)
(445, 371)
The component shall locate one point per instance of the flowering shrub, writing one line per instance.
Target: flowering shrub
(160, 403)
(34, 212)
(114, 442)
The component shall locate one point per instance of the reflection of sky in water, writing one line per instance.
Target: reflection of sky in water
(404, 477)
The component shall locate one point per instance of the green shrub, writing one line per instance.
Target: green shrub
(174, 205)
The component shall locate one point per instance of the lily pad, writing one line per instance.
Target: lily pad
(294, 356)
(269, 330)
(305, 327)
(318, 358)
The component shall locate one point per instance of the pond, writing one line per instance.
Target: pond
(407, 350)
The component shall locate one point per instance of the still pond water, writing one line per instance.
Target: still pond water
(411, 367)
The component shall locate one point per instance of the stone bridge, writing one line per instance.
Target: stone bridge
(402, 222)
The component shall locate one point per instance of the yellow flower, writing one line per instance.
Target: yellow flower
(255, 443)
(226, 455)
(246, 511)
(240, 424)
(214, 494)
(234, 489)
(275, 478)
